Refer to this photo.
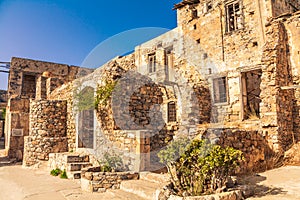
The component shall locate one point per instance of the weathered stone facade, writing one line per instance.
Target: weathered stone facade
(230, 70)
(30, 79)
(235, 78)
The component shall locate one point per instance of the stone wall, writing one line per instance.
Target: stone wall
(92, 180)
(253, 144)
(48, 132)
(285, 6)
(17, 126)
(66, 92)
(277, 104)
(292, 26)
(224, 53)
(202, 49)
(31, 79)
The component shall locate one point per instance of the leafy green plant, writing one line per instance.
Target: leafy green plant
(104, 93)
(201, 168)
(55, 172)
(106, 168)
(63, 175)
(111, 161)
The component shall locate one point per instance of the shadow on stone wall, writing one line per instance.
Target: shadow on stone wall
(258, 155)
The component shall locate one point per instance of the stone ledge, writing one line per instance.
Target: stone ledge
(92, 181)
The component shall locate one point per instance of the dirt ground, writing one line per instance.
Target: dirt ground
(17, 183)
(278, 184)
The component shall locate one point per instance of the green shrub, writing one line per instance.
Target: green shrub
(63, 175)
(201, 168)
(111, 161)
(106, 168)
(55, 172)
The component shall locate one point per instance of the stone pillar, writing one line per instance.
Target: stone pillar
(48, 134)
(41, 91)
(17, 126)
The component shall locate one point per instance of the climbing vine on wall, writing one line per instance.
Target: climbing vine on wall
(104, 93)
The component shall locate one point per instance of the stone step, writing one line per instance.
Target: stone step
(74, 174)
(121, 194)
(71, 167)
(144, 189)
(77, 158)
(154, 177)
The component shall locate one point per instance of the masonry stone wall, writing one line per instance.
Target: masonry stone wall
(277, 102)
(134, 123)
(285, 6)
(93, 180)
(17, 120)
(228, 53)
(48, 132)
(253, 144)
(31, 79)
(66, 92)
(292, 27)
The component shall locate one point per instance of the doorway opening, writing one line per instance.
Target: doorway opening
(251, 81)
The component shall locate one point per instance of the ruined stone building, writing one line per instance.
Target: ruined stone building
(30, 81)
(229, 72)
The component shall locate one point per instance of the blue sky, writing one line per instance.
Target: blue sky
(66, 31)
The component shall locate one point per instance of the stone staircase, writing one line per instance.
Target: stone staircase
(72, 163)
(146, 186)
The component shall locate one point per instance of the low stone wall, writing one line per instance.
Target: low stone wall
(47, 131)
(39, 148)
(94, 181)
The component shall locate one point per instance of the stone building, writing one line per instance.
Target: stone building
(229, 72)
(31, 81)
